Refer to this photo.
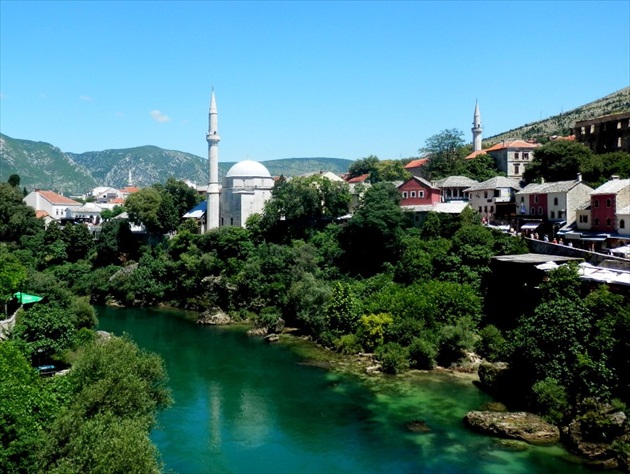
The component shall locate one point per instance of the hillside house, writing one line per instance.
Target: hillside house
(415, 166)
(420, 212)
(494, 198)
(418, 191)
(606, 202)
(105, 194)
(55, 205)
(453, 188)
(511, 157)
(555, 202)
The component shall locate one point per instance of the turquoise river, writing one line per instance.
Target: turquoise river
(245, 406)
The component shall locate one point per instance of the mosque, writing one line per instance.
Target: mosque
(245, 189)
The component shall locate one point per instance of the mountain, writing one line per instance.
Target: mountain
(42, 165)
(562, 124)
(147, 164)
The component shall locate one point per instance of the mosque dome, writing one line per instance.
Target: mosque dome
(248, 169)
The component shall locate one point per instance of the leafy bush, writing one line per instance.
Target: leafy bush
(423, 353)
(394, 357)
(550, 398)
(492, 346)
(372, 329)
(348, 344)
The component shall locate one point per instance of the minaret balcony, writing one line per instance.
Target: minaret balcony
(213, 137)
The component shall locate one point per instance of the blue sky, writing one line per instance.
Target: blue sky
(297, 78)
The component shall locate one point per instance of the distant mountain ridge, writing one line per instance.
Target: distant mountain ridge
(42, 165)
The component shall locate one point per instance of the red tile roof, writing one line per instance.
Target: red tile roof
(130, 189)
(475, 154)
(41, 214)
(55, 198)
(416, 163)
(358, 179)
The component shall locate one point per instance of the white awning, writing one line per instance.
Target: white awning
(530, 225)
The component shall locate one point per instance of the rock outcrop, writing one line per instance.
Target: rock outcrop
(214, 317)
(521, 426)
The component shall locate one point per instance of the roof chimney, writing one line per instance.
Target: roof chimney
(542, 180)
(614, 176)
(579, 177)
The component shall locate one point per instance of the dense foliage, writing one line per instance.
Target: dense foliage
(414, 297)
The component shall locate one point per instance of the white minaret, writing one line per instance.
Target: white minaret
(476, 130)
(212, 214)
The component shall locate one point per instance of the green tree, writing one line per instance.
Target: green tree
(26, 410)
(342, 312)
(380, 217)
(367, 165)
(143, 208)
(12, 275)
(559, 160)
(14, 180)
(17, 220)
(445, 151)
(78, 241)
(480, 168)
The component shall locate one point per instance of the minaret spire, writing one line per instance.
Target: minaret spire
(212, 137)
(476, 129)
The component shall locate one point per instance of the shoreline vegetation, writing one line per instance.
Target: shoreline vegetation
(415, 295)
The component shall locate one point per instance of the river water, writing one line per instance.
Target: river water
(245, 406)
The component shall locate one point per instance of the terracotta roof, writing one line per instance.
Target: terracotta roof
(475, 154)
(117, 201)
(502, 145)
(130, 189)
(416, 163)
(359, 179)
(41, 214)
(54, 198)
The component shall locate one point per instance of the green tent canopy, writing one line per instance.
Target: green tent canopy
(23, 298)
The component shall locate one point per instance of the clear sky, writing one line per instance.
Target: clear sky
(298, 78)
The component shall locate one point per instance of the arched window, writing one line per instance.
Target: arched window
(532, 211)
(608, 203)
(540, 211)
(595, 202)
(536, 198)
(553, 214)
(555, 201)
(622, 224)
(608, 222)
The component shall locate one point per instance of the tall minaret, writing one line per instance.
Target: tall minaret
(476, 130)
(212, 214)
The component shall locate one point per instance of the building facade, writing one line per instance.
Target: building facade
(605, 134)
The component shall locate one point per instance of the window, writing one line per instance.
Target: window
(555, 201)
(532, 211)
(584, 219)
(608, 203)
(517, 169)
(485, 194)
(536, 198)
(540, 211)
(583, 130)
(553, 215)
(608, 222)
(622, 224)
(485, 208)
(595, 202)
(405, 194)
(596, 222)
(619, 125)
(421, 194)
(525, 155)
(593, 128)
(522, 199)
(560, 214)
(491, 208)
(516, 155)
(480, 209)
(413, 194)
(619, 142)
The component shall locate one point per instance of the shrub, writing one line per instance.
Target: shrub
(492, 346)
(423, 353)
(348, 344)
(394, 357)
(372, 330)
(550, 399)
